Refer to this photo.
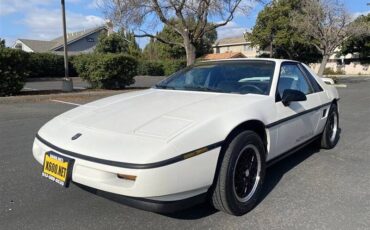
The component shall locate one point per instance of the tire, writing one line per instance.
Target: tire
(330, 135)
(244, 163)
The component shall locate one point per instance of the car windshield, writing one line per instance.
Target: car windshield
(240, 77)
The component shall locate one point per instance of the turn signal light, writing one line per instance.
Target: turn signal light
(126, 177)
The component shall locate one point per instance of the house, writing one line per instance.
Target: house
(77, 42)
(236, 45)
(226, 55)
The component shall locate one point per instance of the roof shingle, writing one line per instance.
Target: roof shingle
(38, 45)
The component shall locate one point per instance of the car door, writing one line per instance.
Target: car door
(297, 121)
(322, 112)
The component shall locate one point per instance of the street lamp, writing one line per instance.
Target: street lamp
(67, 84)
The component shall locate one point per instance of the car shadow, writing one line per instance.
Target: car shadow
(275, 172)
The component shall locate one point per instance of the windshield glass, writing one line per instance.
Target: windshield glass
(239, 77)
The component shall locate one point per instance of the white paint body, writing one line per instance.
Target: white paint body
(157, 124)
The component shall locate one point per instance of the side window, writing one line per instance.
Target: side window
(312, 80)
(291, 77)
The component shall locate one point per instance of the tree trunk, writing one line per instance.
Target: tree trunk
(190, 51)
(324, 61)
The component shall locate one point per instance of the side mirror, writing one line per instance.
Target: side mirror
(290, 95)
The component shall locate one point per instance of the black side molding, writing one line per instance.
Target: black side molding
(132, 165)
(296, 115)
(291, 151)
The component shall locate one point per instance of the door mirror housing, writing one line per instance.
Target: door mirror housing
(290, 95)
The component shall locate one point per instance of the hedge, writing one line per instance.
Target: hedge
(49, 65)
(173, 66)
(108, 71)
(330, 71)
(151, 68)
(13, 70)
(160, 68)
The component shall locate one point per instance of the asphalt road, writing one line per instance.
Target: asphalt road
(326, 189)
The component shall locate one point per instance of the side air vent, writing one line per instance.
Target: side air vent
(324, 113)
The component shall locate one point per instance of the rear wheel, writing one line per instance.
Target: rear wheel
(241, 175)
(330, 136)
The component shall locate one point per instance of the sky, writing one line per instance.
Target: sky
(41, 19)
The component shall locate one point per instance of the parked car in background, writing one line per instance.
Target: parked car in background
(207, 132)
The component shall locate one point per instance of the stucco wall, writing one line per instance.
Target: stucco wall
(352, 68)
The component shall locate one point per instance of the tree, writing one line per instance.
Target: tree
(328, 24)
(273, 30)
(112, 43)
(2, 43)
(158, 50)
(133, 47)
(358, 44)
(147, 13)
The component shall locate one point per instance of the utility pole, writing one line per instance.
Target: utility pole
(67, 84)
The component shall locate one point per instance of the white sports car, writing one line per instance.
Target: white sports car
(207, 132)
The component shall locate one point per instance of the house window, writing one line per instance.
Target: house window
(217, 50)
(227, 48)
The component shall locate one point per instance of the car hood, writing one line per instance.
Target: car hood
(155, 113)
(141, 121)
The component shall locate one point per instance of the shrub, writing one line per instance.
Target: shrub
(151, 68)
(114, 43)
(49, 65)
(330, 71)
(108, 71)
(80, 63)
(160, 68)
(13, 70)
(46, 65)
(173, 66)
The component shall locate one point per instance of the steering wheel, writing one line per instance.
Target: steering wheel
(251, 89)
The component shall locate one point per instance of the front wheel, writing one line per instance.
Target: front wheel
(330, 136)
(241, 175)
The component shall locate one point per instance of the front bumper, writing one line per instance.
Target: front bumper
(148, 204)
(173, 182)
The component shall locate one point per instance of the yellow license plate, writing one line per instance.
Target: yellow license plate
(57, 168)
